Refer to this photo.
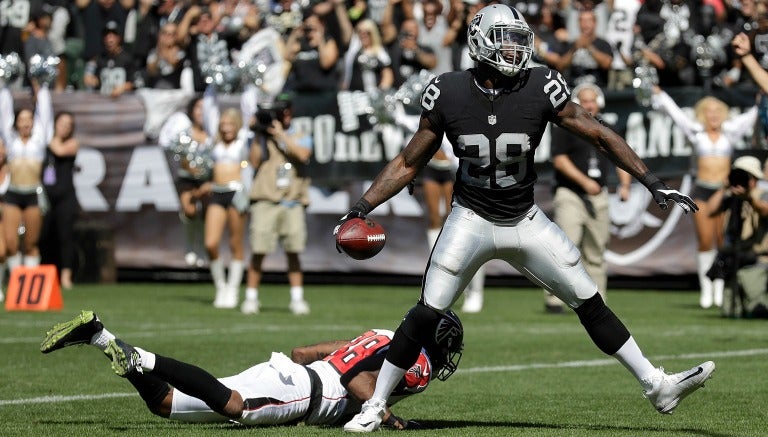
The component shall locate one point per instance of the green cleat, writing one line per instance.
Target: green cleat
(125, 359)
(79, 330)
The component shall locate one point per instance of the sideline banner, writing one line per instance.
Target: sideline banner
(124, 180)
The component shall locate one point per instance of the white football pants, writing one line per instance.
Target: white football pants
(532, 244)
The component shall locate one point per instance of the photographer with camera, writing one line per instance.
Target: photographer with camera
(742, 261)
(279, 196)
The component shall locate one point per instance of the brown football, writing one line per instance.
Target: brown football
(361, 238)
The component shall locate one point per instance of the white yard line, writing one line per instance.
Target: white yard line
(510, 368)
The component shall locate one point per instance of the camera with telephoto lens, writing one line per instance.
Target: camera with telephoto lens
(267, 113)
(738, 178)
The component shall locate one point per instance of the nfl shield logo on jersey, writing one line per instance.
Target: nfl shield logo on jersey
(492, 119)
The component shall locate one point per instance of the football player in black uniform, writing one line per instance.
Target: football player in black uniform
(494, 115)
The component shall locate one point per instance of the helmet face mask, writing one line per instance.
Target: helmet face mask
(499, 36)
(446, 353)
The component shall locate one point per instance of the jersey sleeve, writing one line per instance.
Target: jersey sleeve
(211, 111)
(44, 114)
(553, 85)
(6, 114)
(430, 103)
(738, 126)
(663, 102)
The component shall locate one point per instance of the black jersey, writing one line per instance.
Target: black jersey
(495, 139)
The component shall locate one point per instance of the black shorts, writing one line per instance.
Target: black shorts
(224, 199)
(701, 192)
(438, 176)
(22, 200)
(187, 184)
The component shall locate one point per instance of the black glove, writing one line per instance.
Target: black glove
(359, 210)
(662, 193)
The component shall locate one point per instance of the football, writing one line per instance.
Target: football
(360, 238)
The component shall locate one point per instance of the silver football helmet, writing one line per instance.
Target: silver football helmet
(499, 36)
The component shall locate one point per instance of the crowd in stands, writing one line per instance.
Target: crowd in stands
(116, 46)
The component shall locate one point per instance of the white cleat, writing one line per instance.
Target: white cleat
(369, 418)
(250, 306)
(299, 307)
(2, 296)
(669, 390)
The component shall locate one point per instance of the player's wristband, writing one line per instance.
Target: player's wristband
(649, 179)
(393, 420)
(363, 206)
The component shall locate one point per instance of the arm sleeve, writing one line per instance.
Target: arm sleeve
(736, 127)
(44, 113)
(248, 103)
(211, 112)
(664, 102)
(6, 114)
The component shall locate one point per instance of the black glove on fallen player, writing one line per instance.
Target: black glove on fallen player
(662, 193)
(359, 210)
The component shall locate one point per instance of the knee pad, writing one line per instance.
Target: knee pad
(420, 322)
(602, 325)
(414, 332)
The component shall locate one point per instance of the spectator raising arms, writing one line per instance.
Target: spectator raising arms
(367, 65)
(165, 61)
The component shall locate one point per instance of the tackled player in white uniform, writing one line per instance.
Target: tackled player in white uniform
(319, 385)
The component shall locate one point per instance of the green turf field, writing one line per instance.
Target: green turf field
(523, 373)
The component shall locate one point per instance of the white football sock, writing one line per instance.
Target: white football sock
(251, 294)
(718, 288)
(704, 261)
(217, 273)
(14, 261)
(389, 376)
(147, 359)
(633, 359)
(31, 261)
(235, 274)
(101, 339)
(297, 293)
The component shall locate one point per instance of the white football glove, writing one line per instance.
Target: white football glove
(662, 193)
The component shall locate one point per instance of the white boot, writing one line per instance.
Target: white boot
(232, 289)
(704, 261)
(217, 274)
(718, 287)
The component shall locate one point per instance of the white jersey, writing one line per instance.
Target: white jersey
(276, 392)
(620, 30)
